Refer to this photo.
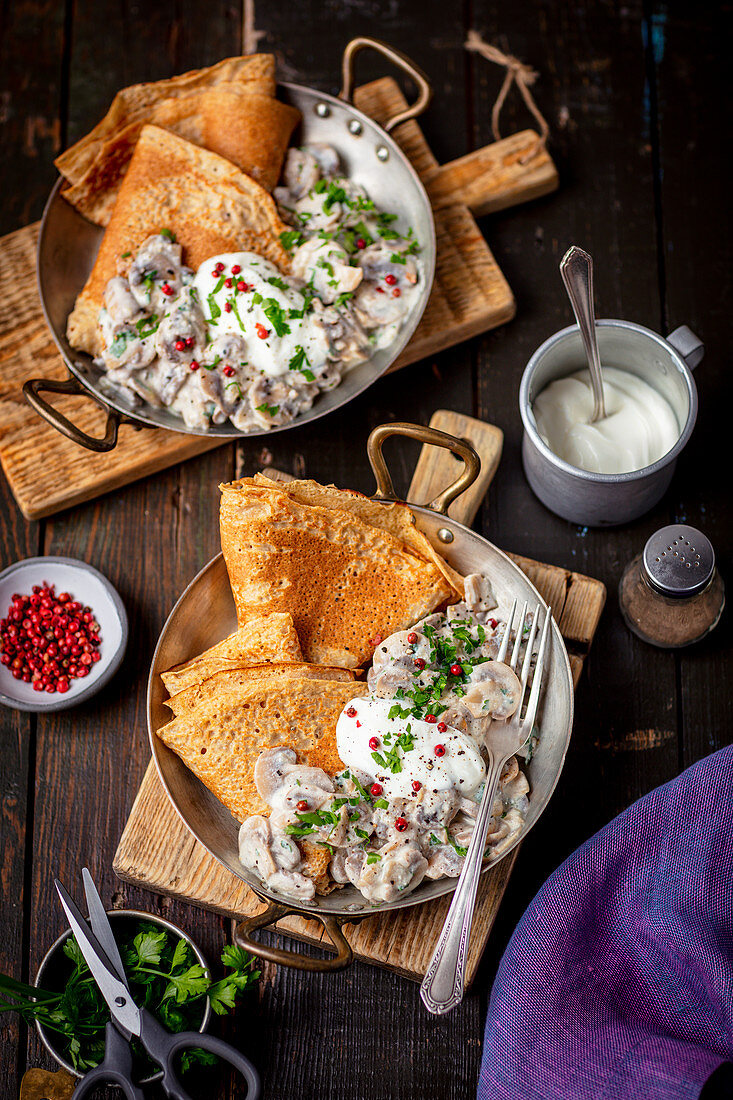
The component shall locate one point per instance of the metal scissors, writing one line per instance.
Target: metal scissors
(128, 1020)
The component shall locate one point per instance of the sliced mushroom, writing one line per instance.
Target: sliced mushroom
(120, 302)
(157, 262)
(326, 155)
(325, 265)
(478, 592)
(494, 691)
(301, 172)
(398, 869)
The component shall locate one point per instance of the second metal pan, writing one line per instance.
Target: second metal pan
(68, 245)
(190, 631)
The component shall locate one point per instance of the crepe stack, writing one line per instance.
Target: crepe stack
(229, 108)
(348, 570)
(205, 201)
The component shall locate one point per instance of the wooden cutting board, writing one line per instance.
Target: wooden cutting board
(158, 852)
(48, 473)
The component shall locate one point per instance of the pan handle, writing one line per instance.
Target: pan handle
(459, 447)
(424, 87)
(32, 389)
(331, 924)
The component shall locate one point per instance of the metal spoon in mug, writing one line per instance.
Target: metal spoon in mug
(576, 268)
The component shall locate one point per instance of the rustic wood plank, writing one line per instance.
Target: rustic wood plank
(598, 124)
(693, 108)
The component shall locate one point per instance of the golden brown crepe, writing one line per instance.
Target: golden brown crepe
(221, 740)
(226, 682)
(263, 640)
(208, 204)
(134, 106)
(345, 582)
(247, 127)
(395, 518)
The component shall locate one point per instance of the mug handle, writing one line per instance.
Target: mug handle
(690, 347)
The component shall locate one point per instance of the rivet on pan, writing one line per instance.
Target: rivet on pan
(355, 127)
(445, 535)
(323, 110)
(382, 152)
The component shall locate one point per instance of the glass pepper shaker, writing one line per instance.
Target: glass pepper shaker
(671, 595)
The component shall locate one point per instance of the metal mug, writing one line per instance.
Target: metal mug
(603, 500)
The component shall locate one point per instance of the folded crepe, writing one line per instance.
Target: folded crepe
(229, 108)
(346, 582)
(221, 738)
(275, 675)
(208, 204)
(265, 639)
(396, 518)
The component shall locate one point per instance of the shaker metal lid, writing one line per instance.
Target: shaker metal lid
(679, 560)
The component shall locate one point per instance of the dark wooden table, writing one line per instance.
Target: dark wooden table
(639, 108)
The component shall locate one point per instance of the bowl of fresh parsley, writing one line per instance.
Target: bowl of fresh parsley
(167, 974)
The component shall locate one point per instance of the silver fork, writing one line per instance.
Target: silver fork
(442, 986)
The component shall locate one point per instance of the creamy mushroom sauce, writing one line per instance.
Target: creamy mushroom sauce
(404, 807)
(240, 340)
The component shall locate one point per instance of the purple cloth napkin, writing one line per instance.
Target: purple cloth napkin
(618, 981)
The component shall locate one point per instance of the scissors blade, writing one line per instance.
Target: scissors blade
(101, 926)
(124, 1011)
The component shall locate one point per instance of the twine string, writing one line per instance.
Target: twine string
(516, 73)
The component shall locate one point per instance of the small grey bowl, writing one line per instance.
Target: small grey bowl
(54, 957)
(87, 585)
(604, 500)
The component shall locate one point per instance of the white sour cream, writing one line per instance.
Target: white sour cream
(267, 302)
(461, 768)
(639, 427)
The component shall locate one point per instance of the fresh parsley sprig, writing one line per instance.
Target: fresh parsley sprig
(164, 976)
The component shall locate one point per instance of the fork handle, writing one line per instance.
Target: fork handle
(442, 986)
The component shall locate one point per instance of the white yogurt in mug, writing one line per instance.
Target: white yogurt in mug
(639, 427)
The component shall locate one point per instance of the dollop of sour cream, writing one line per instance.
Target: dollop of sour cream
(271, 315)
(460, 767)
(639, 427)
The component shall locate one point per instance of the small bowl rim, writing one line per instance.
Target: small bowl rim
(60, 703)
(530, 426)
(137, 914)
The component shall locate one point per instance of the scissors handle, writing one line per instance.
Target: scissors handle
(116, 1069)
(162, 1046)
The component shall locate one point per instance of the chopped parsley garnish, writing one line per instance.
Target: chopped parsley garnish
(169, 234)
(271, 410)
(291, 238)
(342, 299)
(277, 282)
(125, 255)
(373, 857)
(214, 309)
(144, 332)
(233, 303)
(257, 298)
(381, 804)
(335, 194)
(398, 258)
(275, 314)
(361, 833)
(301, 362)
(120, 342)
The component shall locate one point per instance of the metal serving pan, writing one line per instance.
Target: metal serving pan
(68, 246)
(205, 614)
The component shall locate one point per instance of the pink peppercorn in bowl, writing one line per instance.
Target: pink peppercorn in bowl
(81, 622)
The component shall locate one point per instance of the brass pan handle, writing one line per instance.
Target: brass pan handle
(32, 389)
(332, 925)
(459, 447)
(402, 61)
